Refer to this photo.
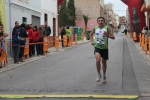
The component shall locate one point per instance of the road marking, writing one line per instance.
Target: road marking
(14, 96)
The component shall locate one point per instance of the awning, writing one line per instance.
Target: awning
(60, 1)
(143, 8)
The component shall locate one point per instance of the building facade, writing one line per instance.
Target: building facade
(90, 8)
(110, 14)
(31, 12)
(22, 11)
(49, 13)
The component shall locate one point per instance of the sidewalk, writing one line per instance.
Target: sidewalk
(11, 65)
(142, 53)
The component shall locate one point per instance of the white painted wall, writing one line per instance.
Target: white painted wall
(50, 8)
(18, 10)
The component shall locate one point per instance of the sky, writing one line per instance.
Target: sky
(118, 5)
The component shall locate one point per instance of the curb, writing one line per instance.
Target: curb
(141, 52)
(88, 96)
(5, 69)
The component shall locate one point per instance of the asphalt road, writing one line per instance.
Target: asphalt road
(74, 72)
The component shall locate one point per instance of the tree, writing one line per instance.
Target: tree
(71, 13)
(63, 15)
(86, 19)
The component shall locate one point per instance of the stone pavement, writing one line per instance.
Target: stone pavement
(52, 50)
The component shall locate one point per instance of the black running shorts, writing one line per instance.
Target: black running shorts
(102, 52)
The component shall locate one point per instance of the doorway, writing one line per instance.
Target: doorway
(24, 19)
(54, 30)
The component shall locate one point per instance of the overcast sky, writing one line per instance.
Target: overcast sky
(118, 5)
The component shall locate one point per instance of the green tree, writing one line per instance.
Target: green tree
(86, 19)
(71, 13)
(63, 15)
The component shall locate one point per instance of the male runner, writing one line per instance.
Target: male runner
(102, 33)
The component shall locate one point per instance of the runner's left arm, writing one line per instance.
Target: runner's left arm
(111, 35)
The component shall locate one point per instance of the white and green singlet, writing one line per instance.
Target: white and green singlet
(101, 40)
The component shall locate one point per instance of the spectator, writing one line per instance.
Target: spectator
(36, 39)
(23, 35)
(125, 31)
(15, 27)
(2, 36)
(68, 35)
(63, 32)
(31, 26)
(31, 40)
(47, 28)
(42, 35)
(16, 43)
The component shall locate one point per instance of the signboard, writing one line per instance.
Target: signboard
(137, 18)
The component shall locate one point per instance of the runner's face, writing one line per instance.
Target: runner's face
(100, 22)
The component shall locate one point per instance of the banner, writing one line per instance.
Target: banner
(3, 14)
(137, 18)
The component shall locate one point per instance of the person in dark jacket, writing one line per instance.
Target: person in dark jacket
(14, 29)
(47, 28)
(13, 32)
(23, 35)
(16, 44)
(63, 32)
(125, 31)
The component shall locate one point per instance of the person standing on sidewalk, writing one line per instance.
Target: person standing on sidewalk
(68, 35)
(16, 46)
(63, 32)
(42, 35)
(15, 27)
(13, 32)
(31, 40)
(36, 39)
(102, 33)
(23, 35)
(48, 30)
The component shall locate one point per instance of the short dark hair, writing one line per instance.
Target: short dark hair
(35, 27)
(23, 25)
(16, 22)
(100, 18)
(67, 27)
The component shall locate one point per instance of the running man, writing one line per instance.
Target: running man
(102, 33)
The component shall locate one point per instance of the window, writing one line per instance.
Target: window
(45, 17)
(24, 19)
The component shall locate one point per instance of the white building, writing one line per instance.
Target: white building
(27, 11)
(50, 14)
